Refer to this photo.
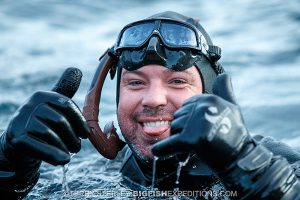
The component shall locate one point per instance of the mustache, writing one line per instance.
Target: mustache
(155, 112)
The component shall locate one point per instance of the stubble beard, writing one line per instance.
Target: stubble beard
(130, 129)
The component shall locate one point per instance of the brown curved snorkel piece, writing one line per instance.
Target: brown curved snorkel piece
(107, 143)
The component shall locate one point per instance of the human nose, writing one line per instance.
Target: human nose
(155, 96)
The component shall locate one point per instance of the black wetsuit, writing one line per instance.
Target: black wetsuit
(195, 176)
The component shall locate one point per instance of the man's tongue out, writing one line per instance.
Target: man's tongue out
(155, 128)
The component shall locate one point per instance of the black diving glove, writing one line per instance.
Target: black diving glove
(47, 127)
(212, 126)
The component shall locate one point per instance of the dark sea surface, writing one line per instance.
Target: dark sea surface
(260, 43)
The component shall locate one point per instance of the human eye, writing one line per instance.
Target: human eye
(135, 82)
(178, 82)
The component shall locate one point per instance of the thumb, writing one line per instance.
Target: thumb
(69, 82)
(222, 87)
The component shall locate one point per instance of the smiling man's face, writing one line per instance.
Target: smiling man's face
(149, 97)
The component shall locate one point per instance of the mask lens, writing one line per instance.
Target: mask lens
(178, 35)
(136, 35)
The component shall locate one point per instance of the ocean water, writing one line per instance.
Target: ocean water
(260, 43)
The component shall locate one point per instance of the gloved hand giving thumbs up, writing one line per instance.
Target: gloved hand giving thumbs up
(47, 127)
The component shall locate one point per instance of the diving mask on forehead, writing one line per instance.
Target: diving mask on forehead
(174, 34)
(170, 43)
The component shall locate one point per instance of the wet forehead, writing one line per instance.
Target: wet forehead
(144, 71)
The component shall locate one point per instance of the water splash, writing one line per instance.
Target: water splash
(154, 171)
(65, 185)
(180, 165)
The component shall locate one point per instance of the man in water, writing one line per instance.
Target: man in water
(174, 101)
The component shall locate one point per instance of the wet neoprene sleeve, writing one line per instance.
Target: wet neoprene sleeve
(16, 179)
(258, 174)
